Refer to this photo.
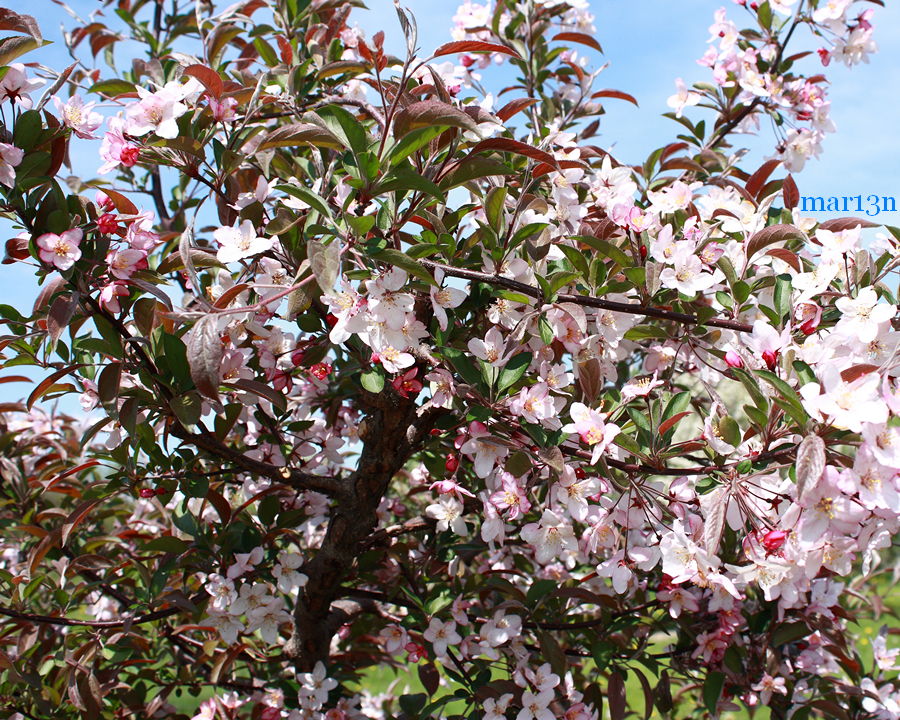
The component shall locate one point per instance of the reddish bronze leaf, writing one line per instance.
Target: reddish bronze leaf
(516, 147)
(617, 94)
(514, 106)
(474, 46)
(210, 79)
(790, 192)
(846, 223)
(758, 179)
(581, 38)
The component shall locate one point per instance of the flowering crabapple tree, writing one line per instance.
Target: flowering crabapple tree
(403, 398)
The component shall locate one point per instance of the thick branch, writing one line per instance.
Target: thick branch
(295, 478)
(391, 433)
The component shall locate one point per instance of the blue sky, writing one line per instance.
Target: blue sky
(648, 43)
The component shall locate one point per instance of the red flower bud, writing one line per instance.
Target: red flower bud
(774, 539)
(467, 61)
(643, 252)
(331, 319)
(580, 473)
(452, 463)
(770, 357)
(147, 492)
(107, 223)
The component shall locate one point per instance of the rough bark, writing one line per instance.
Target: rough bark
(390, 434)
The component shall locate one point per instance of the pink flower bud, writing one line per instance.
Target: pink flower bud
(104, 202)
(129, 155)
(734, 360)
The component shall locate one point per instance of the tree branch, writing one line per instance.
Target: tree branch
(122, 622)
(586, 300)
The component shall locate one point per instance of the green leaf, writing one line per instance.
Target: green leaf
(790, 632)
(345, 127)
(361, 225)
(613, 252)
(463, 365)
(325, 261)
(111, 88)
(27, 129)
(404, 261)
(513, 371)
(730, 431)
(782, 297)
(741, 292)
(577, 258)
(493, 208)
(13, 47)
(373, 381)
(195, 486)
(724, 264)
(804, 372)
(793, 405)
(405, 178)
(309, 197)
(546, 331)
(412, 704)
(752, 387)
(678, 404)
(187, 408)
(603, 653)
(266, 52)
(757, 416)
(712, 691)
(413, 141)
(643, 332)
(167, 544)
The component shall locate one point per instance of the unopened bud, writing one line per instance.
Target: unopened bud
(734, 360)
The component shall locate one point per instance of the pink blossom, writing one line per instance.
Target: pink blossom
(124, 262)
(510, 498)
(16, 87)
(222, 110)
(683, 98)
(592, 427)
(491, 349)
(157, 112)
(110, 294)
(10, 157)
(237, 243)
(115, 149)
(79, 116)
(61, 251)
